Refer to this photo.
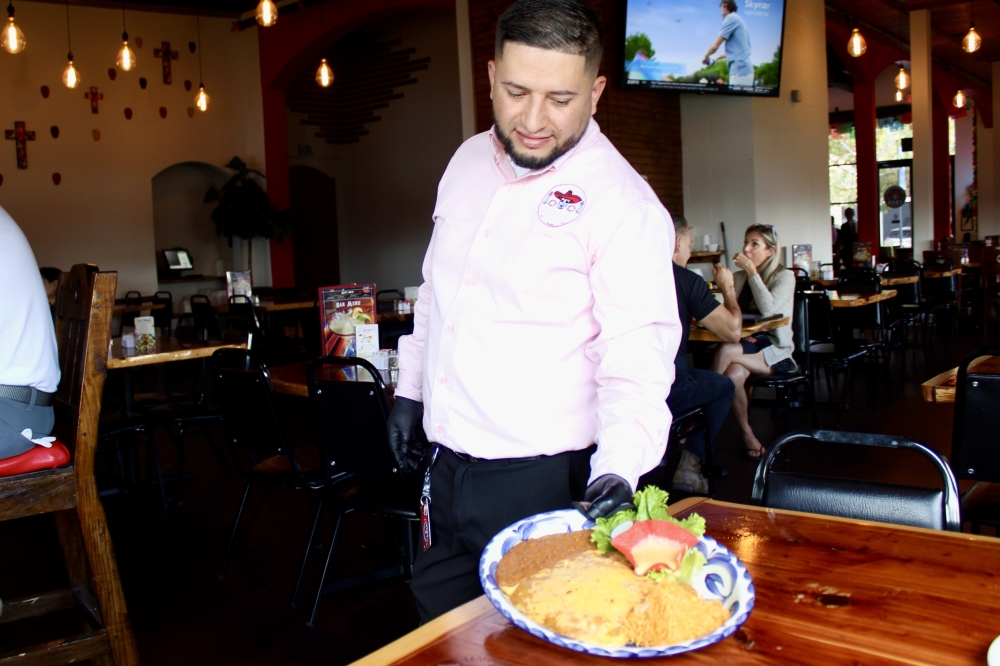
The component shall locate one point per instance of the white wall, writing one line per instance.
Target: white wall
(963, 163)
(383, 236)
(765, 160)
(989, 225)
(102, 212)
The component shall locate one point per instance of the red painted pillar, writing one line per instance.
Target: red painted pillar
(276, 170)
(864, 136)
(942, 171)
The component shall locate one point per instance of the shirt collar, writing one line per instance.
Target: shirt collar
(502, 162)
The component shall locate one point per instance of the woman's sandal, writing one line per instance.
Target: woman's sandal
(760, 452)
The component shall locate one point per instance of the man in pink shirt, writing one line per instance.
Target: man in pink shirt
(547, 321)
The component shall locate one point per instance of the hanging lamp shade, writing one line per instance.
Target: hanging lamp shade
(267, 13)
(12, 39)
(324, 75)
(856, 44)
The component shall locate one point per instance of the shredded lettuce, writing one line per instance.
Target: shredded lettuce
(651, 504)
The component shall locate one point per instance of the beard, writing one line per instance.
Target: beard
(535, 161)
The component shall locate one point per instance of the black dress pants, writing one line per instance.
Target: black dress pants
(472, 500)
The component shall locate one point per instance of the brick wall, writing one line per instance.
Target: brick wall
(645, 126)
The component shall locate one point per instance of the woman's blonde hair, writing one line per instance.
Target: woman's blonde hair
(770, 269)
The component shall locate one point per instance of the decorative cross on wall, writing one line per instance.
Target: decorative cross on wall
(94, 98)
(21, 137)
(166, 55)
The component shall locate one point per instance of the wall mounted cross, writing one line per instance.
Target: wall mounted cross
(94, 98)
(20, 136)
(166, 55)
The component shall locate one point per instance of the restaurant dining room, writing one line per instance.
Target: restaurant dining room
(725, 315)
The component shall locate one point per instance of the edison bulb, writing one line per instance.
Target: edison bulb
(899, 95)
(959, 100)
(972, 41)
(856, 45)
(902, 79)
(324, 75)
(71, 76)
(201, 100)
(267, 13)
(12, 40)
(126, 58)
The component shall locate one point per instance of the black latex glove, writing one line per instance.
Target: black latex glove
(406, 434)
(608, 494)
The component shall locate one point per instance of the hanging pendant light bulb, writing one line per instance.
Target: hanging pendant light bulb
(267, 13)
(324, 75)
(856, 45)
(71, 75)
(899, 95)
(126, 57)
(902, 79)
(12, 39)
(201, 99)
(959, 100)
(972, 41)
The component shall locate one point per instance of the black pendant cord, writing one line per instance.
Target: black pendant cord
(124, 31)
(69, 35)
(201, 80)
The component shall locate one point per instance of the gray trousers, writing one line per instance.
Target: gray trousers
(16, 416)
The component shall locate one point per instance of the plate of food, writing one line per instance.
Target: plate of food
(637, 584)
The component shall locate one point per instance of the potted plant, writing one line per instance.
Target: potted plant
(245, 210)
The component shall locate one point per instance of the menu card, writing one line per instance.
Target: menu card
(366, 337)
(238, 283)
(342, 308)
(145, 335)
(802, 257)
(863, 254)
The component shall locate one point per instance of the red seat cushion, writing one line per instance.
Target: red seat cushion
(37, 458)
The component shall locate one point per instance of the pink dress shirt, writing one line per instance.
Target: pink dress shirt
(547, 320)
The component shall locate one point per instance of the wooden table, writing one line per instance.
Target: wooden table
(829, 591)
(139, 308)
(886, 282)
(705, 257)
(167, 350)
(272, 306)
(846, 300)
(699, 334)
(290, 379)
(942, 274)
(942, 387)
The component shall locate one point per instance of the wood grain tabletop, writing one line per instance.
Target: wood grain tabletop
(167, 350)
(942, 387)
(700, 334)
(829, 591)
(942, 274)
(846, 300)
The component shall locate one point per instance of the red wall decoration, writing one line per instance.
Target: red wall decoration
(192, 47)
(190, 112)
(187, 84)
(54, 131)
(138, 42)
(56, 178)
(163, 112)
(166, 55)
(45, 92)
(142, 82)
(128, 114)
(20, 136)
(94, 98)
(96, 134)
(112, 73)
(1, 179)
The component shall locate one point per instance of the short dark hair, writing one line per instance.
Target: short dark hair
(568, 26)
(50, 274)
(730, 5)
(681, 225)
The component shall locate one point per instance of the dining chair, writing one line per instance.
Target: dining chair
(786, 385)
(353, 436)
(261, 451)
(204, 316)
(991, 284)
(941, 292)
(132, 299)
(934, 508)
(163, 318)
(84, 307)
(975, 443)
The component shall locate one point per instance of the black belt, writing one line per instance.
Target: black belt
(467, 458)
(23, 394)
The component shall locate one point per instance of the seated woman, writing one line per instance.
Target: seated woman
(765, 287)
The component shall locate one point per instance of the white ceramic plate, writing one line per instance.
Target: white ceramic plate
(724, 577)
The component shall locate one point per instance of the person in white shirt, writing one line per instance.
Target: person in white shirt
(29, 361)
(547, 321)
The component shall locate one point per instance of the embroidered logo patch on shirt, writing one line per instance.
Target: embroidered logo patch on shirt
(562, 205)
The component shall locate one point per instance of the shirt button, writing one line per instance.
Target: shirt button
(451, 328)
(443, 380)
(488, 233)
(470, 281)
(439, 429)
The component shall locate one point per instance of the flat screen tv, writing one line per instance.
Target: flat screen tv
(178, 259)
(667, 45)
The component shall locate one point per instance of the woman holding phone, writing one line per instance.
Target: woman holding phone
(763, 286)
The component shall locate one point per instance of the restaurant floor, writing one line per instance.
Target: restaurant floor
(182, 614)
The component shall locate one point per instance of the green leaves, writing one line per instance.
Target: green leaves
(244, 208)
(602, 533)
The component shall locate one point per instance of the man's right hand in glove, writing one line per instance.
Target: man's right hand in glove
(406, 434)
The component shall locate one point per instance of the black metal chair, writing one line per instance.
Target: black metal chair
(385, 297)
(870, 320)
(353, 438)
(163, 318)
(942, 293)
(132, 299)
(859, 280)
(975, 442)
(934, 508)
(908, 308)
(260, 450)
(785, 385)
(828, 351)
(204, 317)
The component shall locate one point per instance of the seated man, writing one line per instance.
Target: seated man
(29, 360)
(692, 387)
